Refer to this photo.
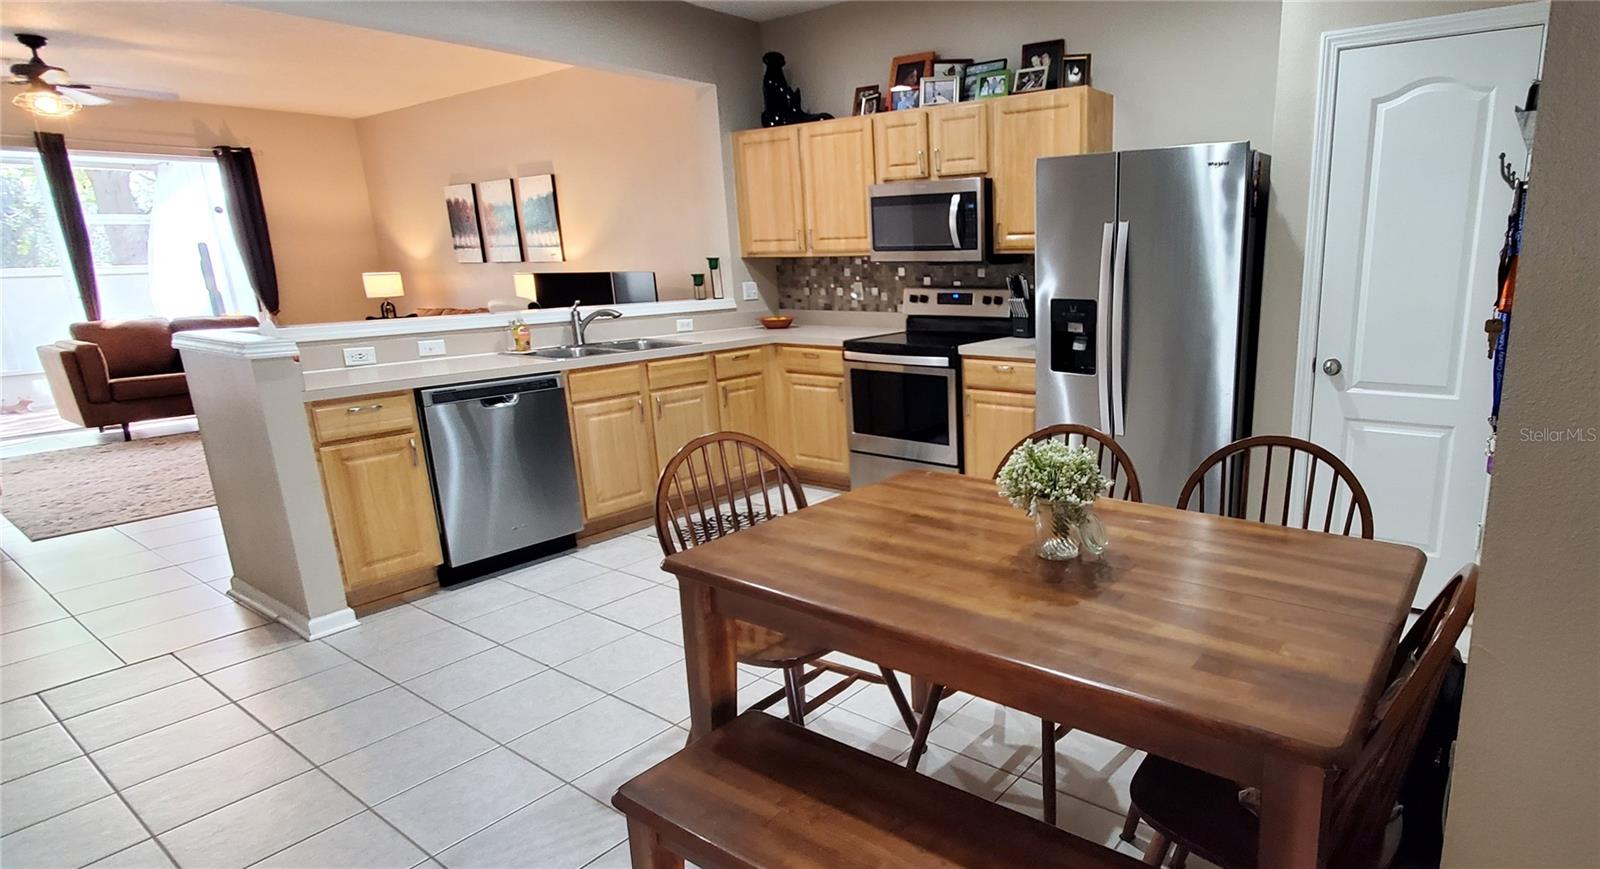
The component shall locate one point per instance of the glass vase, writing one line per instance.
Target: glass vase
(1055, 532)
(1092, 533)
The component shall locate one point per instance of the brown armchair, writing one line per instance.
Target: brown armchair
(114, 372)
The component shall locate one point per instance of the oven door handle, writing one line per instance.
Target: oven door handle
(892, 359)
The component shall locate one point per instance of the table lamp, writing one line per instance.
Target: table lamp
(526, 286)
(386, 286)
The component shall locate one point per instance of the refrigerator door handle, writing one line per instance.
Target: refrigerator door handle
(1102, 362)
(1119, 315)
(955, 211)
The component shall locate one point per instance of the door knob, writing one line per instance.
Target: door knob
(1332, 367)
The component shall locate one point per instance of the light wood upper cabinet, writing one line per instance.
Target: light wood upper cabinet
(682, 414)
(1024, 128)
(742, 405)
(836, 168)
(767, 179)
(900, 145)
(958, 137)
(381, 505)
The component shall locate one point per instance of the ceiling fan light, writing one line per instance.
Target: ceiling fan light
(46, 102)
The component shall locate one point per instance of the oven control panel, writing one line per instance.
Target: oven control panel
(956, 302)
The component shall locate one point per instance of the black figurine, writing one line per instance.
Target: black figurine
(781, 102)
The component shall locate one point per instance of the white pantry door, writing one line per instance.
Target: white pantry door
(1416, 214)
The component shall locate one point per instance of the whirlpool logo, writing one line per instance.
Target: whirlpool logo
(1218, 163)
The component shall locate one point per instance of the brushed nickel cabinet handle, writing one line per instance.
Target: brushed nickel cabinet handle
(1004, 369)
(921, 166)
(811, 355)
(365, 408)
(640, 403)
(938, 161)
(724, 396)
(658, 407)
(413, 452)
(737, 356)
(811, 239)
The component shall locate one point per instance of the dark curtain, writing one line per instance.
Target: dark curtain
(249, 218)
(69, 213)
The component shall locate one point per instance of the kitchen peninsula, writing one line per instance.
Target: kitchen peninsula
(327, 502)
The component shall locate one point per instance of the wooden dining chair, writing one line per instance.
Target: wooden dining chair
(1266, 470)
(725, 482)
(1113, 459)
(1196, 812)
(1118, 467)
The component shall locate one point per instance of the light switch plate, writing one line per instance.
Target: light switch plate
(686, 325)
(751, 291)
(360, 356)
(433, 347)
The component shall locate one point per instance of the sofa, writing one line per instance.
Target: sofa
(116, 372)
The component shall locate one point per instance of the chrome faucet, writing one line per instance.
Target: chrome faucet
(581, 323)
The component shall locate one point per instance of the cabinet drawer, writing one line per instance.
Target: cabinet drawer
(811, 360)
(596, 383)
(359, 417)
(666, 373)
(997, 374)
(740, 363)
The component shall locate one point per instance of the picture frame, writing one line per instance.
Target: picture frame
(906, 72)
(940, 90)
(1030, 79)
(461, 210)
(1048, 54)
(952, 67)
(859, 100)
(540, 219)
(904, 99)
(870, 104)
(1075, 70)
(497, 217)
(994, 84)
(969, 76)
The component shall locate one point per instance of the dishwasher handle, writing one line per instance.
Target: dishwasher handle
(495, 393)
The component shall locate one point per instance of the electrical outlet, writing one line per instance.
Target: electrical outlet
(900, 271)
(434, 347)
(686, 325)
(751, 291)
(360, 356)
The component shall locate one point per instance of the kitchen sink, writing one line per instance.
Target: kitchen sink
(573, 351)
(640, 344)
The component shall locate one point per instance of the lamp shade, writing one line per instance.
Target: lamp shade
(382, 285)
(525, 286)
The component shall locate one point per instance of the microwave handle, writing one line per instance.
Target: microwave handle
(955, 211)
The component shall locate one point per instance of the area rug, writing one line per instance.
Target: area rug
(66, 491)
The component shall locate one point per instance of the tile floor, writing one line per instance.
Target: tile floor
(147, 723)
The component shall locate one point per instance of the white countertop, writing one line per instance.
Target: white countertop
(420, 373)
(1023, 349)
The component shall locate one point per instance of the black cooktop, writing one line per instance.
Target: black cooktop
(932, 336)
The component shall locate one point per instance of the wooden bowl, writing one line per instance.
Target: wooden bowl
(776, 322)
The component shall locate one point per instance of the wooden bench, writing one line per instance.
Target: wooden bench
(762, 792)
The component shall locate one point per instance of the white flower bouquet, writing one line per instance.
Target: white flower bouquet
(1056, 484)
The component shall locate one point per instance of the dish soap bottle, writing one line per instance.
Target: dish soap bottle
(521, 336)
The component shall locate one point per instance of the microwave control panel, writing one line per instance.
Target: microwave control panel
(956, 302)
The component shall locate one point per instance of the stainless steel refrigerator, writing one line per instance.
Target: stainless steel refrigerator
(1149, 269)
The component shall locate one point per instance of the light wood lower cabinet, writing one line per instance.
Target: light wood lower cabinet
(379, 497)
(999, 411)
(816, 423)
(612, 439)
(743, 405)
(682, 414)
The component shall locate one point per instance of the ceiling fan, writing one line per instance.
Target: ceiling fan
(49, 92)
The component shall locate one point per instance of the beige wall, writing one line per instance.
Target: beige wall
(1527, 775)
(633, 184)
(1180, 72)
(311, 180)
(1294, 116)
(664, 39)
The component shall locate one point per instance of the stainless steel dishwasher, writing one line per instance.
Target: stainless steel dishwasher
(503, 474)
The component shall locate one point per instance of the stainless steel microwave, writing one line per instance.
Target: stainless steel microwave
(930, 221)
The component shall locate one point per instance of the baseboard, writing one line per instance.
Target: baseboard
(825, 479)
(269, 606)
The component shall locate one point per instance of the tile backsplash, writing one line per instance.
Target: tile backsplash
(859, 284)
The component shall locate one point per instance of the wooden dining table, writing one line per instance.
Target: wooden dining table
(1250, 651)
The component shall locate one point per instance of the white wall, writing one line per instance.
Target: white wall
(1180, 72)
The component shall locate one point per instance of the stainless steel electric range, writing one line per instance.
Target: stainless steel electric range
(904, 389)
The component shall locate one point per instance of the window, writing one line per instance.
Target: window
(162, 244)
